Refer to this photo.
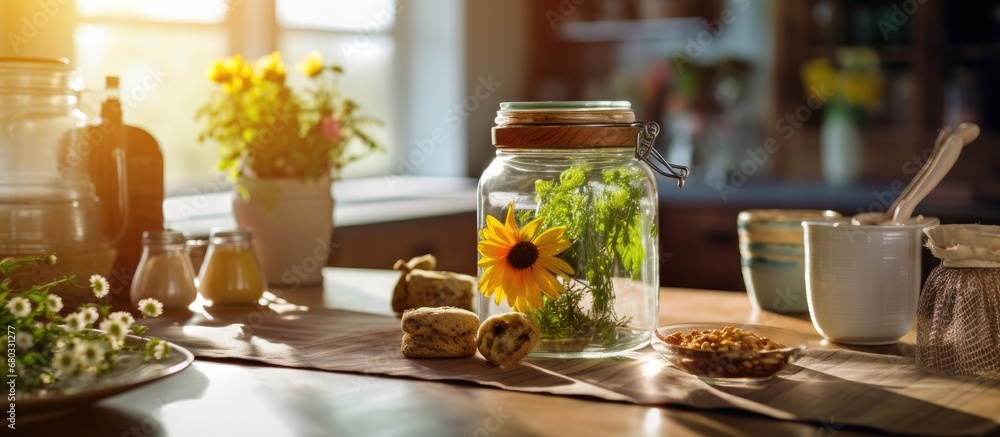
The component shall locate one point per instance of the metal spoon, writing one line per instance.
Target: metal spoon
(938, 169)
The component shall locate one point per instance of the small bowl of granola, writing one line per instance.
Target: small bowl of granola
(728, 354)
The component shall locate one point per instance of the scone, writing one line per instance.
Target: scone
(440, 322)
(438, 347)
(423, 262)
(425, 288)
(439, 332)
(504, 339)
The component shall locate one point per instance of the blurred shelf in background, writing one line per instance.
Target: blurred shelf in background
(937, 60)
(629, 30)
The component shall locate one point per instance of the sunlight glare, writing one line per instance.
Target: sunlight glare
(351, 15)
(653, 422)
(183, 11)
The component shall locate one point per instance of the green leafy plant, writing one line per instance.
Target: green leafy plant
(606, 225)
(266, 130)
(46, 349)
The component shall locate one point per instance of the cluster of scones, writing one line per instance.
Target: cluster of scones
(448, 332)
(437, 323)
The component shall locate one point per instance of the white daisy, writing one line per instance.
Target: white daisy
(66, 362)
(19, 307)
(45, 377)
(161, 349)
(24, 340)
(54, 303)
(74, 322)
(99, 285)
(115, 329)
(89, 353)
(89, 315)
(150, 307)
(124, 317)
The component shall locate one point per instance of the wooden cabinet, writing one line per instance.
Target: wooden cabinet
(699, 247)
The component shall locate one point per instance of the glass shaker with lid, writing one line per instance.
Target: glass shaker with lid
(568, 225)
(231, 273)
(164, 272)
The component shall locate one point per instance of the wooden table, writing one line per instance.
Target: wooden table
(230, 398)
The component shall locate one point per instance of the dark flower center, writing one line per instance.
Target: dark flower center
(522, 255)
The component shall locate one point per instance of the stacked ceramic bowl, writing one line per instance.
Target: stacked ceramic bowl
(772, 257)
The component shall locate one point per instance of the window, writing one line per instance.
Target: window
(161, 51)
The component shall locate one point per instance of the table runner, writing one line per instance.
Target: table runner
(834, 388)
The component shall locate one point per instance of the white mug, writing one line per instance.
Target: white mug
(862, 282)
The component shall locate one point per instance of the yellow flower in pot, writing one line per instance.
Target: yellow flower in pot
(281, 149)
(846, 93)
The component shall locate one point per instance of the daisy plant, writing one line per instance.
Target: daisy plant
(266, 129)
(49, 349)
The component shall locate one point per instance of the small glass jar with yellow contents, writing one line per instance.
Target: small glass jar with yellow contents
(231, 274)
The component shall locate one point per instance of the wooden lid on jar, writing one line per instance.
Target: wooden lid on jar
(574, 124)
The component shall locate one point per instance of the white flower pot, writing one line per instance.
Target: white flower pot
(292, 222)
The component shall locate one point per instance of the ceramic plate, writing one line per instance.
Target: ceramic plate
(131, 372)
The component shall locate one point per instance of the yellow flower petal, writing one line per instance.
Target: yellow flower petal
(550, 236)
(534, 300)
(498, 297)
(499, 232)
(557, 266)
(549, 285)
(270, 68)
(518, 304)
(488, 283)
(492, 250)
(553, 248)
(312, 65)
(510, 223)
(530, 229)
(490, 262)
(218, 72)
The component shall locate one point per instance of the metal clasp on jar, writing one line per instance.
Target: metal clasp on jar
(645, 152)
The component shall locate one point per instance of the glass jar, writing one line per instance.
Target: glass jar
(164, 271)
(231, 274)
(47, 200)
(567, 219)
